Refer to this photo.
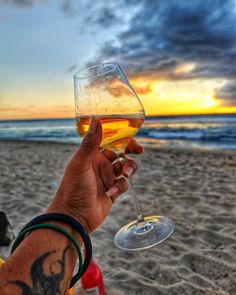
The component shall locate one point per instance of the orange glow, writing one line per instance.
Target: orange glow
(30, 112)
(158, 96)
(181, 97)
(185, 68)
(37, 103)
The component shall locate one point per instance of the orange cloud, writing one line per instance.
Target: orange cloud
(36, 112)
(142, 89)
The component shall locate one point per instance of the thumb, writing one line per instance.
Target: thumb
(92, 139)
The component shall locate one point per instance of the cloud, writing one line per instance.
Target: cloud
(71, 8)
(101, 19)
(227, 94)
(11, 109)
(162, 35)
(21, 3)
(156, 38)
(72, 69)
(104, 17)
(142, 89)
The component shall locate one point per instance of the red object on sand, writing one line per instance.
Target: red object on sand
(92, 280)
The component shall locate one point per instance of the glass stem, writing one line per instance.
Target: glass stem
(137, 206)
(138, 209)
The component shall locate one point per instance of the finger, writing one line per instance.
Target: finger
(117, 168)
(129, 167)
(107, 174)
(91, 141)
(111, 156)
(117, 189)
(134, 148)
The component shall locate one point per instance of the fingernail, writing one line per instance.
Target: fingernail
(113, 190)
(129, 171)
(93, 126)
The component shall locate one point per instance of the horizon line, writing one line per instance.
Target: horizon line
(148, 116)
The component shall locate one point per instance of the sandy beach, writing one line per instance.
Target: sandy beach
(196, 189)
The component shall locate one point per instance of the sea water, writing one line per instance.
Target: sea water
(198, 131)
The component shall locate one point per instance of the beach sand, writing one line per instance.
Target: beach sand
(196, 189)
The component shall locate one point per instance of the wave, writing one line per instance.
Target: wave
(200, 131)
(176, 134)
(227, 118)
(211, 134)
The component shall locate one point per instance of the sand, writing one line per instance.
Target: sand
(196, 189)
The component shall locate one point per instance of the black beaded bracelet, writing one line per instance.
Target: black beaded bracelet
(74, 224)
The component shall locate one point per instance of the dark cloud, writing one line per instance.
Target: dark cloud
(21, 3)
(227, 94)
(72, 69)
(93, 16)
(165, 34)
(104, 17)
(155, 37)
(71, 8)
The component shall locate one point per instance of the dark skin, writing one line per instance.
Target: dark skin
(93, 172)
(43, 283)
(44, 261)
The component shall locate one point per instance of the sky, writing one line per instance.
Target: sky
(179, 55)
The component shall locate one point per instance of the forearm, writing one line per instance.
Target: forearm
(42, 264)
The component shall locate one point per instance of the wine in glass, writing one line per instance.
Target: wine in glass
(104, 91)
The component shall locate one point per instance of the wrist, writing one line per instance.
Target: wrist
(40, 222)
(66, 209)
(53, 239)
(69, 229)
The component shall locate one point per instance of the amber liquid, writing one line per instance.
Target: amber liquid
(117, 130)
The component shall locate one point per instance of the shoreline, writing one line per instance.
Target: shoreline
(197, 189)
(199, 150)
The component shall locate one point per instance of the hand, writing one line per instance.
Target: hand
(91, 182)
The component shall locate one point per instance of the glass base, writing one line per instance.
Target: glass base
(143, 235)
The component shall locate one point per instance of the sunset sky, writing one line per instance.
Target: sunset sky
(179, 55)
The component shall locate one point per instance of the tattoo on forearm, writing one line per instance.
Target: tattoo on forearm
(43, 284)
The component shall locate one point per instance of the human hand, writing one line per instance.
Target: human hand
(92, 182)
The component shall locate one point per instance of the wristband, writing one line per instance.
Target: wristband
(74, 224)
(26, 231)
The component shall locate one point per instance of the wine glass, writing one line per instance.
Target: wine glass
(104, 91)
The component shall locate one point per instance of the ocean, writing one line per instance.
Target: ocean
(197, 131)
